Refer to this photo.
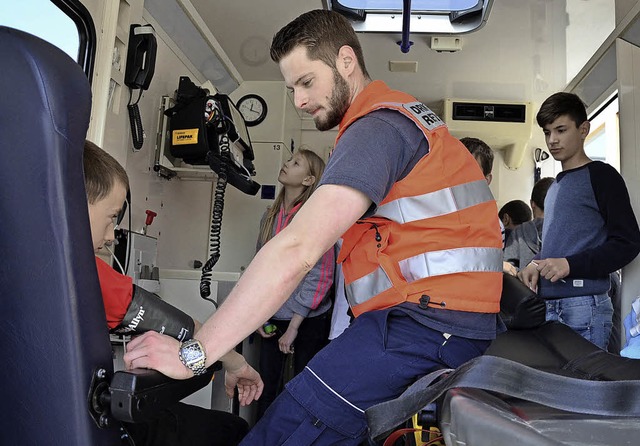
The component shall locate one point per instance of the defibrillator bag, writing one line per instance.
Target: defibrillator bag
(190, 138)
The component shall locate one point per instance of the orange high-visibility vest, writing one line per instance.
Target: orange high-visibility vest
(435, 238)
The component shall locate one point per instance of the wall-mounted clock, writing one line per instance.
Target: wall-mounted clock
(253, 109)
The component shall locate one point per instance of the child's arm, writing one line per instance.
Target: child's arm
(131, 309)
(147, 312)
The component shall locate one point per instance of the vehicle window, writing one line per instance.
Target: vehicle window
(427, 16)
(416, 5)
(64, 23)
(603, 142)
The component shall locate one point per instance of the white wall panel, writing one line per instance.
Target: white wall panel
(628, 57)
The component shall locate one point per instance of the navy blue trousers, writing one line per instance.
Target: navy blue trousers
(374, 360)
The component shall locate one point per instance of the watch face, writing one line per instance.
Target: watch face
(192, 355)
(253, 109)
(191, 352)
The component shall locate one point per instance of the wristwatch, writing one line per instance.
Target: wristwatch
(193, 356)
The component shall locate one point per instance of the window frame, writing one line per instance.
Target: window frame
(87, 47)
(420, 22)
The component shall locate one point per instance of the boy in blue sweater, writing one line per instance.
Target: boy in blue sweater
(589, 231)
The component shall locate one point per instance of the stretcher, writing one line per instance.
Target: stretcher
(541, 385)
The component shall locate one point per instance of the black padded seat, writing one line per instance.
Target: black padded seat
(539, 361)
(53, 333)
(57, 359)
(474, 417)
(556, 348)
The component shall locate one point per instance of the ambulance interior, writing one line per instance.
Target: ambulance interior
(194, 209)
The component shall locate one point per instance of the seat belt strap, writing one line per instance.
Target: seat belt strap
(608, 398)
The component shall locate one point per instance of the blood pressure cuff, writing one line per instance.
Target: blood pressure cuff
(147, 312)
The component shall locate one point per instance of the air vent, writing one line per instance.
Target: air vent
(489, 112)
(505, 126)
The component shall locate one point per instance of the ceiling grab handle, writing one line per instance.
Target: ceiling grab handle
(405, 43)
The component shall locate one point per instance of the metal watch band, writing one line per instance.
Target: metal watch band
(199, 369)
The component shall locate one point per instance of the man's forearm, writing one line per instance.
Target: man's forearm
(232, 360)
(280, 265)
(257, 296)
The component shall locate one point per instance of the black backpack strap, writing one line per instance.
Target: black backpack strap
(608, 398)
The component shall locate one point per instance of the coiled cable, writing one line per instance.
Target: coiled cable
(216, 220)
(137, 132)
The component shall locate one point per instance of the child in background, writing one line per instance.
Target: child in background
(512, 215)
(304, 318)
(526, 239)
(590, 229)
(484, 157)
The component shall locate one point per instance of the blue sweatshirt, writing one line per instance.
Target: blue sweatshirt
(588, 220)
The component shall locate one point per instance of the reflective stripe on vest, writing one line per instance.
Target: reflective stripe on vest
(429, 264)
(437, 203)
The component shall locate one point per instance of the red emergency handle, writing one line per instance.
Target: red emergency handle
(150, 216)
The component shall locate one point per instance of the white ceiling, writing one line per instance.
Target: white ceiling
(518, 56)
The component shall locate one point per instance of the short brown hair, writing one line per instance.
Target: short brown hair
(560, 104)
(518, 210)
(480, 151)
(322, 33)
(101, 172)
(539, 191)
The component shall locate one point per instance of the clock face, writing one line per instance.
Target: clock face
(253, 109)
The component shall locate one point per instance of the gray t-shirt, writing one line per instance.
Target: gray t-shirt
(375, 152)
(524, 243)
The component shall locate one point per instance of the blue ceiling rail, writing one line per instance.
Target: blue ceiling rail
(405, 43)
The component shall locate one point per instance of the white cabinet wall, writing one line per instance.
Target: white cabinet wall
(242, 212)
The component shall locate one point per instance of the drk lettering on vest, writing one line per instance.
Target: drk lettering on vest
(424, 114)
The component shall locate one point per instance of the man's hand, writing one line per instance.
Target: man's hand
(285, 343)
(153, 350)
(529, 276)
(553, 269)
(247, 380)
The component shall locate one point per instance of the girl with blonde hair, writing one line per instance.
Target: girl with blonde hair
(304, 318)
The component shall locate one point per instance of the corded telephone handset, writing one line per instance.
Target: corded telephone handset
(141, 65)
(141, 57)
